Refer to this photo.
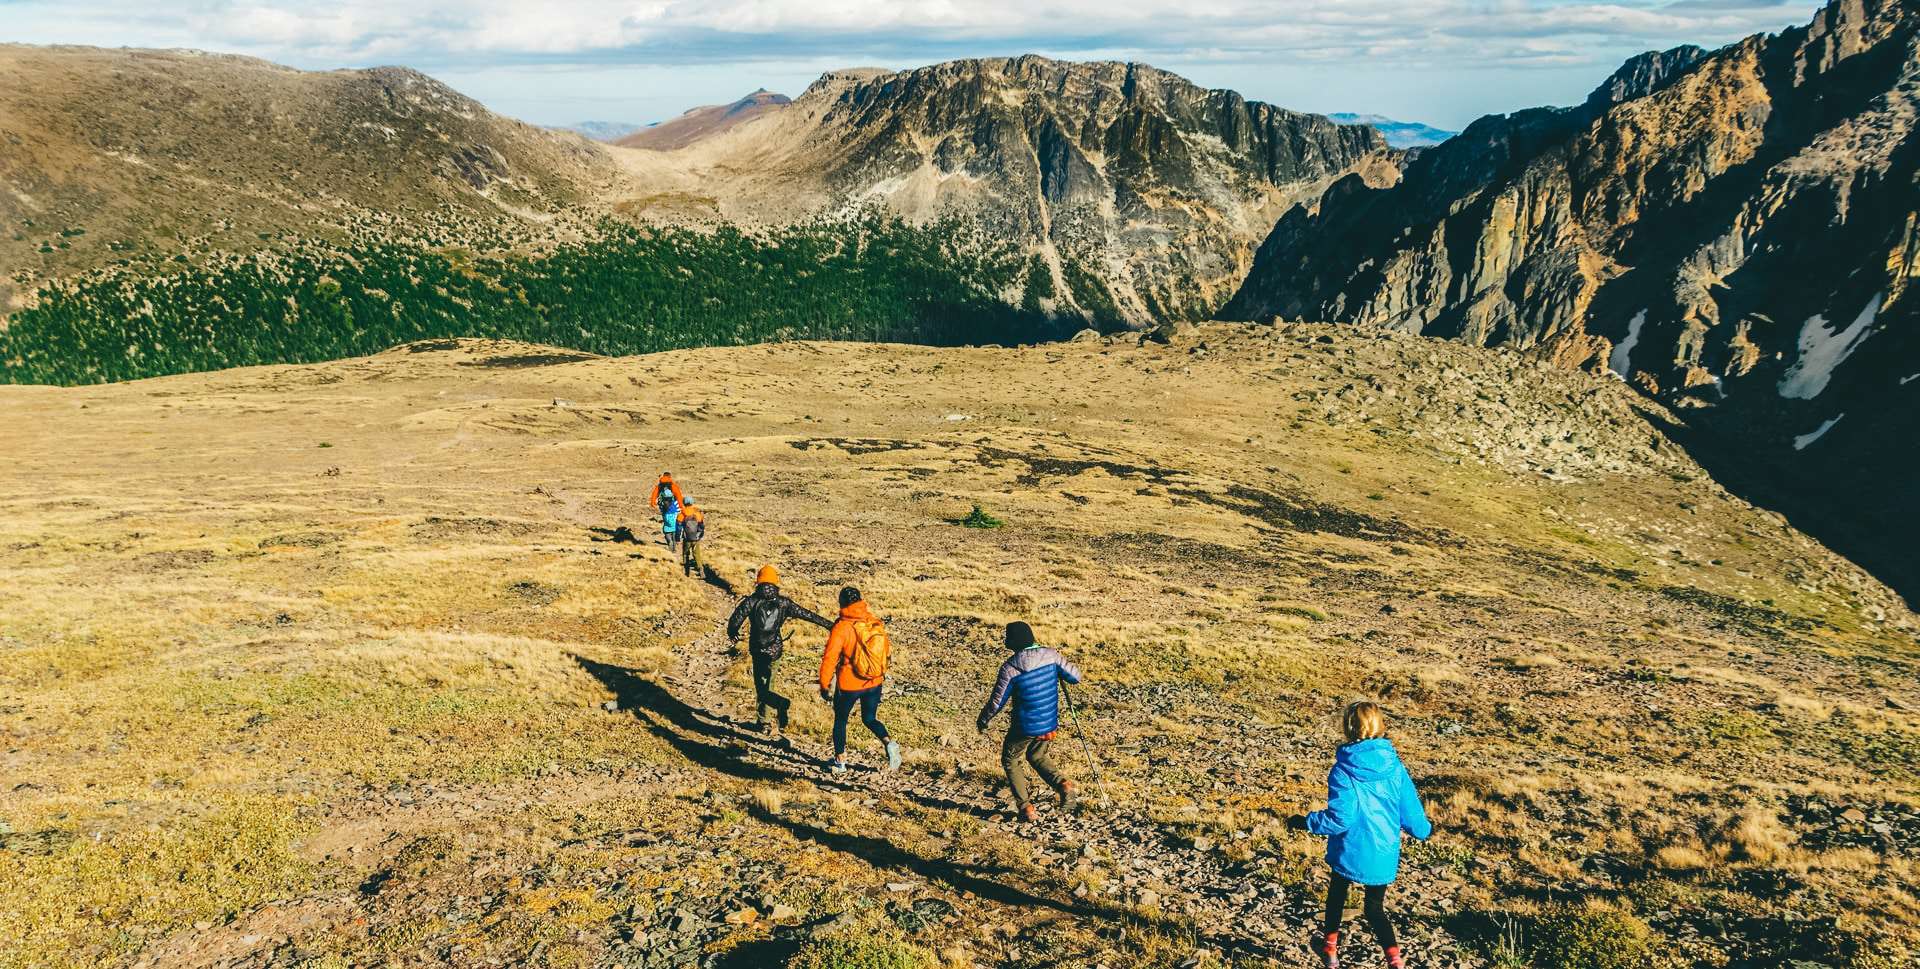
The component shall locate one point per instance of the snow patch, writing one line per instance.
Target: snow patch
(1822, 350)
(1800, 443)
(1621, 360)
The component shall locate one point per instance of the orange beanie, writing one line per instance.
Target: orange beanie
(768, 574)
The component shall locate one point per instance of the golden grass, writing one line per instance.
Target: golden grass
(287, 689)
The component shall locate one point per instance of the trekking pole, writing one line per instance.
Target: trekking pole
(1099, 782)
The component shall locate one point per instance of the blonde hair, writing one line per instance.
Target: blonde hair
(1364, 721)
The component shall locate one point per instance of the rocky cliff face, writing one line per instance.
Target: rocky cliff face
(1141, 195)
(1733, 232)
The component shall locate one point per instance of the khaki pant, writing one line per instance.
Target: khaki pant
(690, 556)
(1021, 750)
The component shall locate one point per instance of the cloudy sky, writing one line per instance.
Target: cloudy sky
(1440, 61)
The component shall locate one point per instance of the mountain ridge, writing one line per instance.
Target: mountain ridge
(1141, 193)
(1667, 230)
(702, 122)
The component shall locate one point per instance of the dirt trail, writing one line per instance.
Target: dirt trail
(1231, 907)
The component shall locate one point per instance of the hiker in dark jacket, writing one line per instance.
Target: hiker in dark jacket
(1371, 802)
(763, 613)
(1030, 679)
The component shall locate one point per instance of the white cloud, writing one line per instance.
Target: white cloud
(348, 29)
(1340, 38)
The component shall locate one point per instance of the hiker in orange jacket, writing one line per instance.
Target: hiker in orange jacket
(669, 485)
(667, 499)
(855, 661)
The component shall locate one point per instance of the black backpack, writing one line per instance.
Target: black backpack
(768, 614)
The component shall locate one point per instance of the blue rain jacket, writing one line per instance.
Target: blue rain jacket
(1370, 801)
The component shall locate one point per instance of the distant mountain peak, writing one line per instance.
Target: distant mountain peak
(1399, 134)
(602, 130)
(705, 121)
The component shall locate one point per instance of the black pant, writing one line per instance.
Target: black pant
(1375, 908)
(869, 701)
(763, 692)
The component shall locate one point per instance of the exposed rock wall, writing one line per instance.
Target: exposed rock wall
(1732, 232)
(1155, 188)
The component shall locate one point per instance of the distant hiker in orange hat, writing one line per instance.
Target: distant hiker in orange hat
(693, 528)
(763, 612)
(858, 654)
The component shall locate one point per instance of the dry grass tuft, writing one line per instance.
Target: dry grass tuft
(769, 800)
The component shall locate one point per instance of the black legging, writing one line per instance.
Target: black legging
(869, 701)
(763, 693)
(1375, 908)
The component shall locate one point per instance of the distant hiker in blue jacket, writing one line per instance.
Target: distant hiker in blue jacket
(1030, 678)
(1370, 801)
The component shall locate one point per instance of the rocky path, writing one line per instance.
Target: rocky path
(1148, 865)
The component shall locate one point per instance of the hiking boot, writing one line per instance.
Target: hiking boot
(758, 726)
(1325, 948)
(1067, 793)
(838, 767)
(893, 755)
(1028, 814)
(784, 743)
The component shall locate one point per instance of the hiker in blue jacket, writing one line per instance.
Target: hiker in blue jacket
(1030, 678)
(1370, 801)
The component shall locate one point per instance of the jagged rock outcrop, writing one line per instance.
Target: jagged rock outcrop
(1732, 231)
(1140, 194)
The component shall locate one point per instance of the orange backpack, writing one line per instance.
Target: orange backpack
(872, 650)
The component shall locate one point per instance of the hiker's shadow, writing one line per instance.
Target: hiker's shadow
(882, 853)
(617, 535)
(713, 742)
(672, 721)
(717, 580)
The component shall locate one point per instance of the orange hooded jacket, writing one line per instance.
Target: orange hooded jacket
(666, 481)
(839, 655)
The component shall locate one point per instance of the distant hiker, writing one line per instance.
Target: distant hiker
(856, 659)
(666, 498)
(670, 524)
(666, 485)
(693, 528)
(1370, 801)
(1030, 679)
(763, 612)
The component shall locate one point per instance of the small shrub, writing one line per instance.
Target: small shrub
(978, 518)
(1509, 949)
(860, 954)
(1591, 938)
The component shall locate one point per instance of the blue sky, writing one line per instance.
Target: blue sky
(1444, 62)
